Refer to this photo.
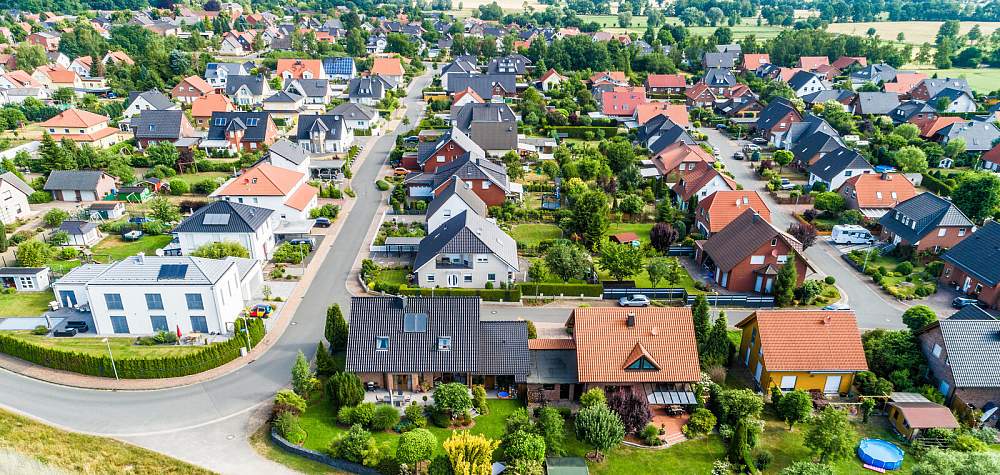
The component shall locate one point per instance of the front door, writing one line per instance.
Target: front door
(832, 384)
(965, 286)
(756, 372)
(768, 284)
(758, 283)
(67, 297)
(402, 382)
(452, 280)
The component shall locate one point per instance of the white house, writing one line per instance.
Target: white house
(838, 166)
(455, 198)
(701, 182)
(358, 116)
(217, 74)
(225, 221)
(805, 83)
(466, 251)
(285, 154)
(324, 134)
(81, 233)
(14, 194)
(278, 189)
(146, 294)
(149, 100)
(24, 279)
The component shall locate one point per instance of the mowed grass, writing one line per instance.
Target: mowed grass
(914, 32)
(981, 80)
(533, 234)
(120, 347)
(78, 453)
(116, 249)
(641, 229)
(192, 178)
(25, 304)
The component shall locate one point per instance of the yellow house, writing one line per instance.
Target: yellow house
(802, 349)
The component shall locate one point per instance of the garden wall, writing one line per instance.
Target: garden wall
(315, 456)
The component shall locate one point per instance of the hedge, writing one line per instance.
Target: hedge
(577, 132)
(208, 357)
(936, 185)
(587, 290)
(496, 295)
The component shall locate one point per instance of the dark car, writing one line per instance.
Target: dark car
(78, 325)
(65, 332)
(739, 156)
(305, 241)
(413, 139)
(322, 223)
(961, 302)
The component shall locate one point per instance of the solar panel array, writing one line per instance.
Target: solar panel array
(215, 219)
(172, 272)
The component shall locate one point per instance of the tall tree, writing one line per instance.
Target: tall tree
(977, 195)
(567, 261)
(831, 436)
(785, 282)
(702, 322)
(717, 347)
(162, 209)
(795, 407)
(336, 328)
(589, 220)
(918, 317)
(621, 260)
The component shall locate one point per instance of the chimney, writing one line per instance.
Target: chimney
(140, 258)
(826, 320)
(630, 320)
(886, 176)
(402, 301)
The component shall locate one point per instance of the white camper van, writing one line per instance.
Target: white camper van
(851, 234)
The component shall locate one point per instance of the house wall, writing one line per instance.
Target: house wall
(952, 273)
(899, 422)
(452, 207)
(487, 191)
(88, 239)
(837, 181)
(741, 277)
(185, 92)
(952, 236)
(430, 276)
(804, 380)
(13, 203)
(260, 244)
(784, 124)
(445, 155)
(29, 283)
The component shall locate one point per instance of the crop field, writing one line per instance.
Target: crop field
(981, 80)
(914, 32)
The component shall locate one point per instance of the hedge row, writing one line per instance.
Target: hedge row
(496, 295)
(936, 185)
(208, 357)
(587, 290)
(577, 132)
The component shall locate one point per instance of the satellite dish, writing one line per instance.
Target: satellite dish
(988, 414)
(774, 253)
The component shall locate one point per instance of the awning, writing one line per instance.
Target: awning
(874, 213)
(650, 172)
(671, 397)
(516, 188)
(214, 144)
(303, 226)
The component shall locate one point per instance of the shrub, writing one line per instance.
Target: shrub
(55, 217)
(385, 418)
(363, 414)
(587, 290)
(39, 197)
(452, 398)
(382, 185)
(632, 408)
(830, 280)
(415, 446)
(968, 443)
(291, 253)
(523, 445)
(40, 330)
(326, 211)
(205, 187)
(599, 427)
(479, 399)
(905, 268)
(763, 459)
(702, 421)
(179, 187)
(593, 397)
(344, 389)
(415, 414)
(287, 425)
(287, 401)
(345, 415)
(353, 446)
(650, 435)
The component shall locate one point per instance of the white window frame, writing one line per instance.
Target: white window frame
(936, 351)
(755, 260)
(785, 386)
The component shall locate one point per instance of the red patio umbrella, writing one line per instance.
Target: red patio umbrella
(178, 331)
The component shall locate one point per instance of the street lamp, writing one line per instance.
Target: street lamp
(113, 368)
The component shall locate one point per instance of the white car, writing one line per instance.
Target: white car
(637, 300)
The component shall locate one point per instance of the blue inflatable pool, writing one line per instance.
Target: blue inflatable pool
(880, 453)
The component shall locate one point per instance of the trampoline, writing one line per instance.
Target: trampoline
(879, 453)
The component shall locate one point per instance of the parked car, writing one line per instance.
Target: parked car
(787, 185)
(413, 139)
(132, 235)
(961, 302)
(637, 300)
(400, 171)
(139, 220)
(739, 156)
(721, 126)
(851, 234)
(261, 311)
(79, 325)
(306, 241)
(322, 223)
(837, 306)
(65, 332)
(759, 140)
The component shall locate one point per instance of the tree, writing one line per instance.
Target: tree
(977, 195)
(918, 317)
(941, 462)
(717, 346)
(831, 436)
(658, 270)
(524, 445)
(470, 454)
(805, 233)
(829, 201)
(620, 155)
(662, 235)
(30, 56)
(911, 159)
(54, 217)
(302, 376)
(785, 283)
(415, 446)
(620, 260)
(794, 407)
(325, 364)
(702, 321)
(567, 261)
(631, 204)
(344, 390)
(593, 397)
(954, 147)
(33, 253)
(804, 467)
(589, 220)
(162, 153)
(161, 209)
(714, 15)
(907, 130)
(452, 398)
(336, 328)
(783, 158)
(599, 427)
(552, 427)
(221, 250)
(632, 409)
(537, 272)
(3, 239)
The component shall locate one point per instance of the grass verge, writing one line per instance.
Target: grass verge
(25, 304)
(120, 347)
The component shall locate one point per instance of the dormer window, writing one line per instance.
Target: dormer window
(774, 242)
(381, 343)
(641, 363)
(444, 343)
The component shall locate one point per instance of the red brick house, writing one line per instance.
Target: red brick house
(700, 95)
(747, 254)
(240, 131)
(451, 146)
(776, 118)
(927, 222)
(622, 101)
(679, 158)
(49, 41)
(488, 180)
(190, 89)
(875, 194)
(991, 159)
(973, 265)
(714, 213)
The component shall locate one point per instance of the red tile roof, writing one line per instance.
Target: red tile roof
(810, 63)
(616, 76)
(666, 80)
(387, 66)
(551, 344)
(76, 118)
(872, 191)
(622, 101)
(752, 61)
(468, 92)
(695, 180)
(677, 113)
(725, 206)
(930, 126)
(296, 68)
(676, 153)
(205, 105)
(301, 197)
(845, 61)
(263, 180)
(198, 83)
(809, 340)
(904, 83)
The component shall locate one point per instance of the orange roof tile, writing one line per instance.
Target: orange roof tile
(809, 340)
(21, 78)
(551, 344)
(92, 137)
(551, 72)
(297, 67)
(696, 90)
(930, 126)
(198, 83)
(926, 415)
(676, 153)
(677, 113)
(752, 61)
(605, 344)
(726, 205)
(205, 105)
(85, 60)
(617, 76)
(58, 75)
(694, 181)
(904, 83)
(666, 80)
(75, 118)
(845, 61)
(992, 155)
(263, 180)
(785, 74)
(120, 57)
(810, 63)
(471, 93)
(387, 66)
(871, 190)
(301, 197)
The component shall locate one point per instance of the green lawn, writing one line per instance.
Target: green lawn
(116, 249)
(25, 304)
(533, 234)
(641, 229)
(394, 276)
(120, 347)
(192, 178)
(981, 80)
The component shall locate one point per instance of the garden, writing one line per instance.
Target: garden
(901, 272)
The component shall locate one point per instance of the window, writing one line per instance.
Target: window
(159, 323)
(774, 242)
(782, 259)
(641, 363)
(154, 301)
(979, 288)
(756, 259)
(942, 232)
(381, 343)
(440, 158)
(878, 195)
(847, 173)
(447, 213)
(444, 343)
(219, 121)
(961, 232)
(788, 383)
(467, 277)
(119, 324)
(114, 302)
(486, 185)
(199, 324)
(491, 277)
(27, 283)
(947, 271)
(481, 260)
(936, 351)
(429, 277)
(194, 302)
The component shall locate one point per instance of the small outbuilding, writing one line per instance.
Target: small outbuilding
(24, 279)
(912, 412)
(566, 466)
(81, 233)
(107, 210)
(626, 238)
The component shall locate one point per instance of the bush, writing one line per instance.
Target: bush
(385, 418)
(326, 211)
(40, 330)
(599, 427)
(415, 414)
(179, 187)
(702, 421)
(205, 187)
(650, 435)
(354, 446)
(496, 295)
(830, 280)
(905, 268)
(593, 397)
(345, 415)
(287, 401)
(39, 197)
(479, 399)
(763, 459)
(452, 398)
(587, 290)
(363, 414)
(344, 389)
(287, 425)
(291, 253)
(415, 446)
(524, 445)
(968, 443)
(55, 217)
(382, 185)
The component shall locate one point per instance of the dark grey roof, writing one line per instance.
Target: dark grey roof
(971, 312)
(973, 348)
(22, 270)
(238, 218)
(483, 84)
(777, 109)
(467, 233)
(353, 111)
(914, 218)
(875, 73)
(456, 187)
(553, 367)
(877, 103)
(158, 124)
(978, 135)
(288, 150)
(807, 148)
(935, 85)
(669, 136)
(308, 87)
(809, 125)
(213, 70)
(801, 78)
(835, 162)
(908, 109)
(426, 150)
(820, 97)
(84, 180)
(254, 125)
(979, 254)
(510, 64)
(503, 349)
(719, 77)
(332, 126)
(284, 97)
(77, 227)
(370, 86)
(468, 167)
(950, 93)
(254, 84)
(741, 238)
(17, 183)
(155, 98)
(464, 116)
(719, 60)
(462, 64)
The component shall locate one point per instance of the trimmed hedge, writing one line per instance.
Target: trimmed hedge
(577, 132)
(550, 289)
(207, 358)
(936, 185)
(496, 295)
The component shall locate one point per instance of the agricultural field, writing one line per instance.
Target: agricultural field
(638, 26)
(982, 80)
(914, 32)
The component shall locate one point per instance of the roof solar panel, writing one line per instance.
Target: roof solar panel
(172, 272)
(415, 322)
(215, 219)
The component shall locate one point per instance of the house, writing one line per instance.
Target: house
(700, 95)
(834, 168)
(45, 39)
(719, 209)
(927, 222)
(14, 194)
(550, 80)
(225, 221)
(149, 294)
(971, 266)
(145, 101)
(288, 155)
(299, 69)
(389, 67)
(80, 233)
(911, 413)
(237, 43)
(812, 63)
(217, 74)
(339, 68)
(235, 131)
(719, 80)
(466, 251)
(699, 184)
(247, 90)
(488, 179)
(358, 116)
(465, 96)
(979, 136)
(962, 351)
(839, 96)
(666, 83)
(117, 58)
(456, 198)
(316, 92)
(102, 210)
(651, 351)
(927, 89)
(621, 102)
(17, 95)
(615, 78)
(203, 107)
(486, 86)
(719, 60)
(660, 132)
(679, 159)
(753, 61)
(412, 343)
(516, 64)
(324, 134)
(874, 194)
(904, 82)
(743, 110)
(776, 118)
(452, 145)
(874, 103)
(845, 63)
(367, 90)
(278, 189)
(24, 279)
(79, 185)
(55, 78)
(155, 126)
(460, 65)
(953, 100)
(809, 350)
(805, 82)
(874, 74)
(82, 66)
(492, 126)
(18, 79)
(914, 112)
(190, 89)
(809, 126)
(745, 255)
(284, 106)
(677, 113)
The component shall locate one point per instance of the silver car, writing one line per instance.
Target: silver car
(637, 300)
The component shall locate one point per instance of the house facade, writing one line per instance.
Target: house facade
(926, 222)
(278, 189)
(14, 194)
(79, 185)
(226, 221)
(234, 131)
(466, 251)
(971, 266)
(324, 134)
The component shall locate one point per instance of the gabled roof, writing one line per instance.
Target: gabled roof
(288, 150)
(812, 62)
(510, 64)
(873, 190)
(677, 113)
(198, 83)
(776, 110)
(298, 67)
(742, 237)
(367, 87)
(154, 98)
(490, 112)
(75, 118)
(973, 349)
(622, 101)
(84, 180)
(467, 233)
(388, 66)
(809, 125)
(874, 73)
(876, 103)
(926, 415)
(846, 61)
(353, 111)
(158, 124)
(332, 126)
(800, 79)
(809, 340)
(308, 87)
(836, 162)
(262, 179)
(752, 61)
(254, 84)
(468, 167)
(669, 134)
(979, 254)
(668, 159)
(666, 80)
(613, 76)
(287, 97)
(17, 183)
(426, 150)
(483, 84)
(339, 65)
(725, 206)
(457, 187)
(808, 149)
(606, 344)
(719, 77)
(979, 136)
(719, 60)
(214, 70)
(468, 91)
(225, 217)
(253, 124)
(972, 312)
(694, 181)
(935, 85)
(204, 106)
(904, 82)
(930, 126)
(922, 214)
(150, 270)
